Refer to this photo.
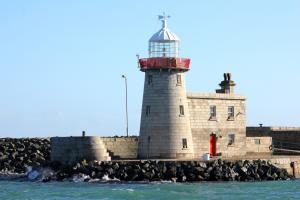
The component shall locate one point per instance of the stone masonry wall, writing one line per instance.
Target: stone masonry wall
(202, 126)
(282, 137)
(259, 146)
(164, 129)
(68, 150)
(121, 147)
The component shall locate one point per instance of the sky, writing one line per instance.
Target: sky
(61, 61)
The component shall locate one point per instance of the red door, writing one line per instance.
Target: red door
(212, 141)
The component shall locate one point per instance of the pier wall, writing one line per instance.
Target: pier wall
(39, 147)
(121, 147)
(69, 150)
(290, 163)
(259, 146)
(282, 137)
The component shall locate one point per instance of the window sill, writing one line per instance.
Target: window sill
(181, 115)
(178, 84)
(230, 119)
(185, 149)
(212, 119)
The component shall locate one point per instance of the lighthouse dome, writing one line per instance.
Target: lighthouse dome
(164, 35)
(164, 43)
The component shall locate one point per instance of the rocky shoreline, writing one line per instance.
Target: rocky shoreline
(30, 159)
(175, 171)
(18, 154)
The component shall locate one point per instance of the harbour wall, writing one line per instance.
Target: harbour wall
(259, 146)
(285, 140)
(69, 150)
(290, 163)
(121, 147)
(16, 154)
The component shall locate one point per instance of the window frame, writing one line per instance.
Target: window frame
(212, 112)
(181, 110)
(148, 110)
(150, 79)
(257, 141)
(230, 112)
(178, 79)
(163, 49)
(184, 143)
(231, 139)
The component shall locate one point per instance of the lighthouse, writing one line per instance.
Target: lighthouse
(165, 130)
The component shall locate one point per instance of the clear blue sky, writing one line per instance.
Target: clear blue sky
(61, 61)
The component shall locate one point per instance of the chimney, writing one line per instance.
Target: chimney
(227, 85)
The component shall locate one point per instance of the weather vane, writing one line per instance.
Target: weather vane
(164, 19)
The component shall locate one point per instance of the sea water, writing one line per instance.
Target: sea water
(175, 191)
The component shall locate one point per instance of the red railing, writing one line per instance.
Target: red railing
(164, 63)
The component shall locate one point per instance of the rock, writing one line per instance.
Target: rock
(110, 171)
(174, 179)
(199, 170)
(191, 177)
(35, 146)
(3, 158)
(146, 166)
(202, 165)
(183, 179)
(180, 175)
(14, 152)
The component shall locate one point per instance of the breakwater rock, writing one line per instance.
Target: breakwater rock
(175, 171)
(31, 157)
(18, 154)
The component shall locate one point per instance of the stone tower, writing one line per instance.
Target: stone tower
(165, 130)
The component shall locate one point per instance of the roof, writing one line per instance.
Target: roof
(219, 96)
(164, 34)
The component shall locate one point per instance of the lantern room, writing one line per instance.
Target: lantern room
(164, 51)
(164, 43)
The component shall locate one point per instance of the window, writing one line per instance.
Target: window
(148, 110)
(184, 143)
(150, 79)
(178, 79)
(181, 110)
(231, 112)
(231, 138)
(257, 141)
(163, 49)
(213, 112)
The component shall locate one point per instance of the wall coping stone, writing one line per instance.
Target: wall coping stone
(196, 95)
(272, 128)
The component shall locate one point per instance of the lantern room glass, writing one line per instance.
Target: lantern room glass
(164, 49)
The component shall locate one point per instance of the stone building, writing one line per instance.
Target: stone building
(177, 124)
(218, 121)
